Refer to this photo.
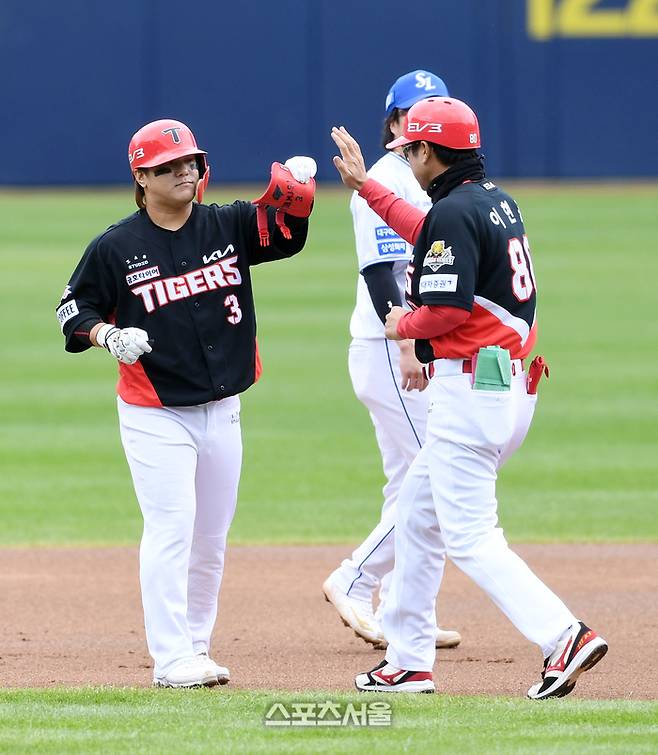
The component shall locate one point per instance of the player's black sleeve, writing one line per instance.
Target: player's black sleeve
(450, 256)
(382, 288)
(89, 296)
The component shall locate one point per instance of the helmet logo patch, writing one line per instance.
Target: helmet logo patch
(424, 81)
(174, 133)
(431, 128)
(139, 152)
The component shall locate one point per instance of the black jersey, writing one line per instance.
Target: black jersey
(472, 252)
(191, 291)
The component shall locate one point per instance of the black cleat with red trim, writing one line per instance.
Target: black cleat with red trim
(578, 650)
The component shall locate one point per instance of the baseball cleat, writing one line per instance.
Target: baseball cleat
(359, 616)
(356, 614)
(190, 672)
(447, 638)
(579, 650)
(222, 673)
(387, 678)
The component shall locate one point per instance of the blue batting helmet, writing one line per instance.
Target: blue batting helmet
(412, 87)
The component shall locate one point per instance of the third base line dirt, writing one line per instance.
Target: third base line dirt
(72, 617)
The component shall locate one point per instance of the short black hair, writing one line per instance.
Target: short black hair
(446, 155)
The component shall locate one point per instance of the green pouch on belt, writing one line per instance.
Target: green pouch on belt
(492, 370)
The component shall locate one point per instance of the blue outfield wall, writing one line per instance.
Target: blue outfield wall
(563, 88)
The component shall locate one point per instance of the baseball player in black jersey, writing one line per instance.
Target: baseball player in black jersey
(472, 291)
(167, 291)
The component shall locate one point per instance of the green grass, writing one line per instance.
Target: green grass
(110, 720)
(312, 471)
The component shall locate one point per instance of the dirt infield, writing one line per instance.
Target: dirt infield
(73, 617)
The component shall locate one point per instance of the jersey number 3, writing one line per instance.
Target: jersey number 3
(523, 276)
(235, 313)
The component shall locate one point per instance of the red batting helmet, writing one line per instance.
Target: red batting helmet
(441, 120)
(160, 142)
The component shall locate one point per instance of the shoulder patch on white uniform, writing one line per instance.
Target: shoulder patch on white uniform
(438, 255)
(388, 241)
(66, 312)
(437, 283)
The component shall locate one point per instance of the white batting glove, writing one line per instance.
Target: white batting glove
(302, 168)
(125, 344)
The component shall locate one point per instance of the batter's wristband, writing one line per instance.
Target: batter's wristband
(105, 335)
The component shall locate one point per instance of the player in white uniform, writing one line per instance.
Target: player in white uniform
(386, 376)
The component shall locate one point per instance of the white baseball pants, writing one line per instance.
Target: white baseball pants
(399, 418)
(447, 507)
(185, 464)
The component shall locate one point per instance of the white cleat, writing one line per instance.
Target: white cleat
(447, 638)
(359, 616)
(356, 614)
(222, 673)
(189, 672)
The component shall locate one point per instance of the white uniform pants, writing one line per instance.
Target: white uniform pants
(185, 464)
(447, 507)
(399, 418)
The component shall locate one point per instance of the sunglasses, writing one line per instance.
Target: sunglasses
(407, 149)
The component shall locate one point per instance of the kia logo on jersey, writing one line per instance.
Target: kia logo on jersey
(217, 254)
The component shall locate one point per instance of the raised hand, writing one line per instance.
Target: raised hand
(350, 164)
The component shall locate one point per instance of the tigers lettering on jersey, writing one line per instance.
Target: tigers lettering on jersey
(159, 293)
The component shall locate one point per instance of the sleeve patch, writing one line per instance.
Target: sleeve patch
(437, 283)
(438, 255)
(388, 241)
(66, 312)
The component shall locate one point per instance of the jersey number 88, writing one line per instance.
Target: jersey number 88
(523, 276)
